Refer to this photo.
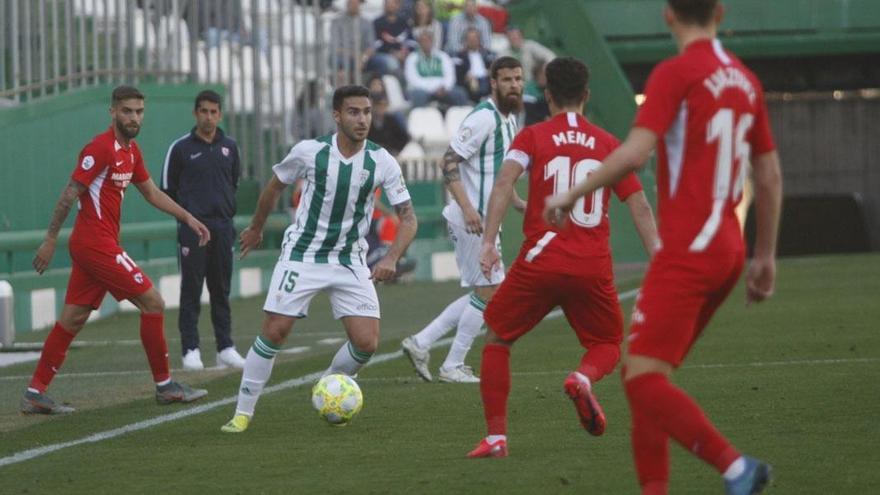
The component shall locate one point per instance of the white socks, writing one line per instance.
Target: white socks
(257, 369)
(348, 360)
(446, 321)
(468, 328)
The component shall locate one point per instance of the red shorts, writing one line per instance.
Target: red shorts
(97, 269)
(529, 292)
(678, 297)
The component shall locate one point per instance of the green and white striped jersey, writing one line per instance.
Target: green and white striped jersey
(336, 206)
(482, 140)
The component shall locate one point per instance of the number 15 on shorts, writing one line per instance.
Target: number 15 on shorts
(288, 281)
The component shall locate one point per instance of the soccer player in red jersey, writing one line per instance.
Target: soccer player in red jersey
(705, 113)
(106, 166)
(568, 266)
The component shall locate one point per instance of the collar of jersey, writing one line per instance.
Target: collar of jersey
(346, 160)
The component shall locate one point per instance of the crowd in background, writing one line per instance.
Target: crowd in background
(438, 52)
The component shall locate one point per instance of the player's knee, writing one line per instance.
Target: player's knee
(494, 338)
(485, 293)
(366, 343)
(635, 365)
(154, 303)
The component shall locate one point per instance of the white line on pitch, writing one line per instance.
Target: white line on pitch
(26, 455)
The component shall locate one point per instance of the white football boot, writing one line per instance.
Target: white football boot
(230, 358)
(192, 360)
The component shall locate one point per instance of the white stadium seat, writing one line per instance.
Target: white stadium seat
(454, 118)
(412, 151)
(396, 100)
(426, 125)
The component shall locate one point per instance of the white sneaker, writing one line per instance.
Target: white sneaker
(418, 357)
(460, 374)
(192, 360)
(230, 358)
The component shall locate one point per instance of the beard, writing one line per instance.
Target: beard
(511, 102)
(130, 131)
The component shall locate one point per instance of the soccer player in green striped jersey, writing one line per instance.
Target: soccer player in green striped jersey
(469, 167)
(324, 249)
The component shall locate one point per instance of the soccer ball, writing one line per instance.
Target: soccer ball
(337, 398)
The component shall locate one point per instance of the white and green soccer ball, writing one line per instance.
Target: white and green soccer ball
(337, 398)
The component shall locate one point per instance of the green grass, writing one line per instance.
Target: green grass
(793, 381)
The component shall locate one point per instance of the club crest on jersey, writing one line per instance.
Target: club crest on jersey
(464, 134)
(88, 162)
(139, 278)
(224, 150)
(365, 174)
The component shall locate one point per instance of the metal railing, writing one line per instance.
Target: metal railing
(272, 56)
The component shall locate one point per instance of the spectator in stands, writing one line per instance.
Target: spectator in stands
(391, 32)
(353, 36)
(468, 18)
(534, 101)
(201, 174)
(472, 66)
(423, 18)
(311, 107)
(430, 75)
(386, 129)
(218, 21)
(528, 52)
(447, 9)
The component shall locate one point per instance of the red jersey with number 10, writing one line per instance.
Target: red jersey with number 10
(559, 153)
(708, 112)
(106, 168)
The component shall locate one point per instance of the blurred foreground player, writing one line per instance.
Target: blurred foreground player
(705, 112)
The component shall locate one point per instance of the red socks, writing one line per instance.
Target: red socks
(52, 357)
(599, 361)
(660, 408)
(495, 386)
(153, 339)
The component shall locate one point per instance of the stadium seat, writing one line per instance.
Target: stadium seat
(396, 100)
(454, 118)
(411, 152)
(499, 43)
(426, 125)
(141, 38)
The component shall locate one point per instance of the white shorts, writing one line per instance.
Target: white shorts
(295, 283)
(467, 256)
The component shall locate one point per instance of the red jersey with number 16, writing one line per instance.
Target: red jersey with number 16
(557, 154)
(106, 168)
(708, 112)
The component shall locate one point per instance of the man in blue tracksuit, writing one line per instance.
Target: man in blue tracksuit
(201, 173)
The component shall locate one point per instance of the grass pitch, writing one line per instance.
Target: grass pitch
(793, 381)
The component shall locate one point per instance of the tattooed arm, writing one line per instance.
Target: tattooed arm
(452, 181)
(386, 268)
(62, 208)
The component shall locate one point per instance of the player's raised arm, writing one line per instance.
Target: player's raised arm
(252, 236)
(643, 218)
(761, 275)
(62, 208)
(163, 202)
(629, 157)
(499, 199)
(452, 182)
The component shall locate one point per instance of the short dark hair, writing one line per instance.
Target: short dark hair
(694, 11)
(505, 62)
(567, 80)
(348, 91)
(121, 93)
(208, 95)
